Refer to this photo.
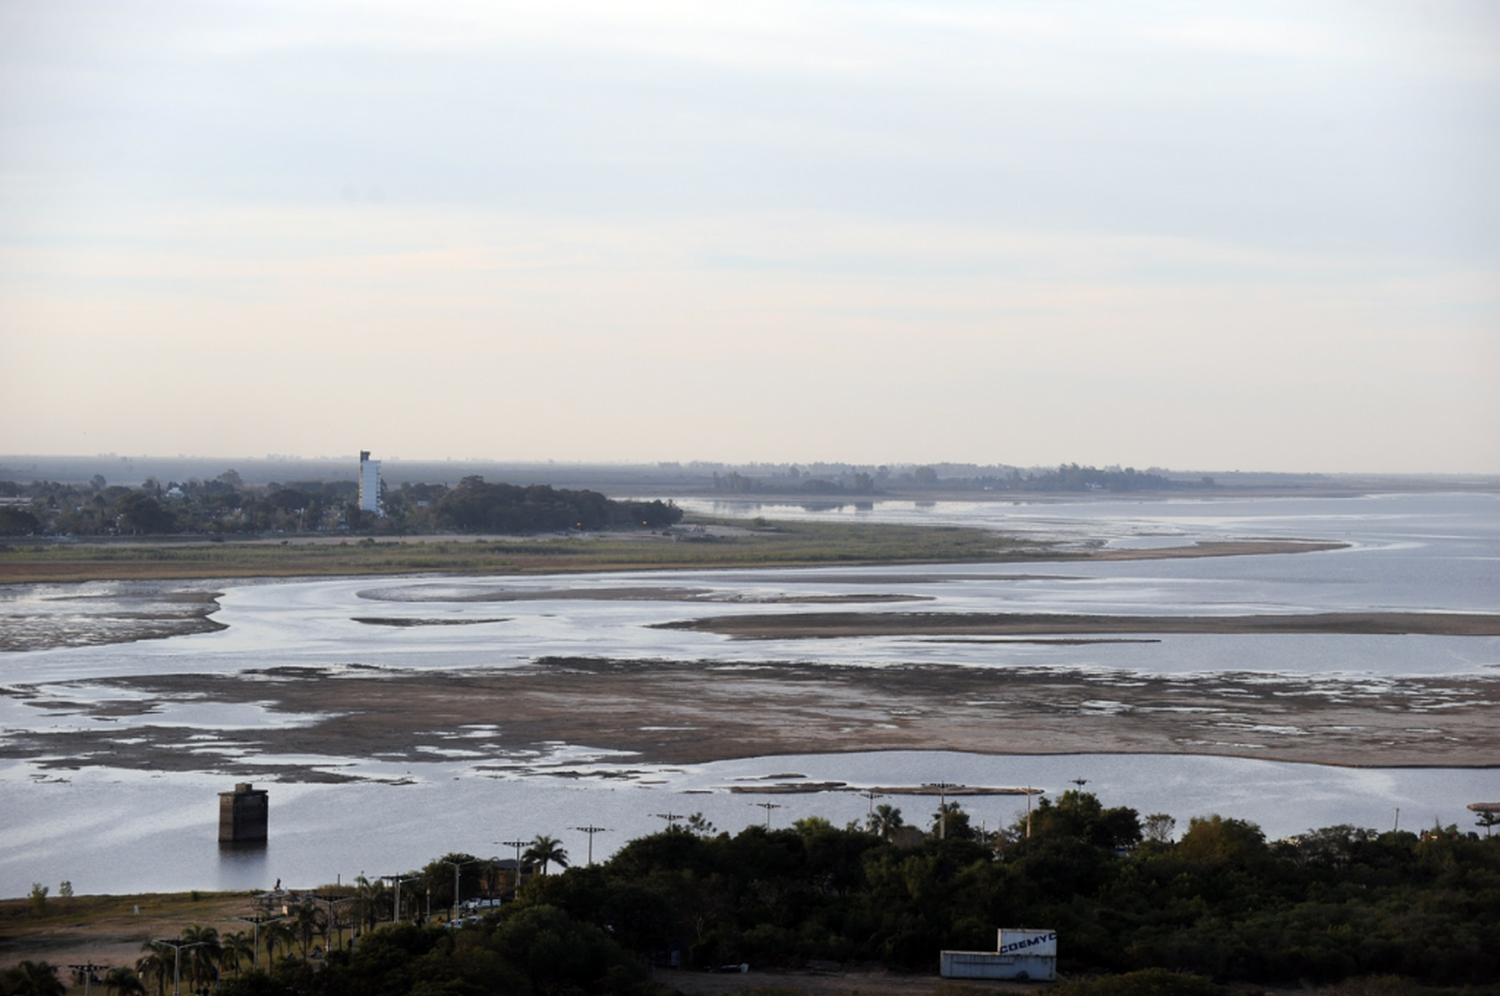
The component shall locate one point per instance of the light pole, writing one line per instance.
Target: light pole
(256, 921)
(671, 819)
(177, 961)
(332, 921)
(517, 844)
(1029, 793)
(87, 970)
(591, 830)
(872, 795)
(942, 788)
(456, 866)
(396, 905)
(767, 806)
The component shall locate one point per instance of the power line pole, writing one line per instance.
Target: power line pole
(767, 806)
(591, 830)
(517, 844)
(671, 819)
(87, 970)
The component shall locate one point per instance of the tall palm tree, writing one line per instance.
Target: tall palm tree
(307, 925)
(373, 898)
(123, 981)
(156, 964)
(546, 850)
(235, 948)
(885, 821)
(202, 959)
(277, 934)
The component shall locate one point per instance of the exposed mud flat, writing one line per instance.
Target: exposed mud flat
(39, 617)
(814, 625)
(683, 712)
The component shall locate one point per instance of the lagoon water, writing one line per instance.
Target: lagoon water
(111, 830)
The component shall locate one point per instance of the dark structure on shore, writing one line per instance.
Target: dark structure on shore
(243, 815)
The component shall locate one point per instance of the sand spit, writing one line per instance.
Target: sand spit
(682, 712)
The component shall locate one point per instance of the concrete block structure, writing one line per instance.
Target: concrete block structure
(243, 815)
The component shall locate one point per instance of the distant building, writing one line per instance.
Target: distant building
(369, 483)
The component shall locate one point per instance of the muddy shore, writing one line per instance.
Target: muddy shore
(679, 712)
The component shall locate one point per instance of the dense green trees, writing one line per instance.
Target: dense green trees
(1222, 903)
(225, 505)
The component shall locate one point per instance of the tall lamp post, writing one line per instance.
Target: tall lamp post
(671, 819)
(517, 844)
(456, 866)
(591, 830)
(396, 904)
(177, 961)
(942, 788)
(256, 921)
(767, 806)
(872, 795)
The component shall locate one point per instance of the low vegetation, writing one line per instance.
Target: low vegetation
(784, 545)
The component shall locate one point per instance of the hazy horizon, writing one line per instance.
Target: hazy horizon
(1257, 235)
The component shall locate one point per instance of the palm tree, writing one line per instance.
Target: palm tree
(203, 958)
(235, 948)
(156, 964)
(276, 934)
(544, 851)
(372, 897)
(34, 978)
(885, 821)
(123, 981)
(307, 926)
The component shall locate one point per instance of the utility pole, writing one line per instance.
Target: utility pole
(671, 819)
(872, 795)
(332, 920)
(591, 830)
(767, 806)
(942, 788)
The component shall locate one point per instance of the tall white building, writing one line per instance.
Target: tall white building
(369, 483)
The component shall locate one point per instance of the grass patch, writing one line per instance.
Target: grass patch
(786, 545)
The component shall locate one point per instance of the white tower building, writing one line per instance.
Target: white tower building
(369, 483)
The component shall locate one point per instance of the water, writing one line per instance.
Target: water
(112, 830)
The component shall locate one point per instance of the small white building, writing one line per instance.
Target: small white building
(1022, 954)
(369, 483)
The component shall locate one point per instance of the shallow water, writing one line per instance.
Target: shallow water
(109, 830)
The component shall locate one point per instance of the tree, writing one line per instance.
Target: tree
(277, 934)
(235, 948)
(38, 899)
(34, 978)
(156, 964)
(885, 821)
(203, 958)
(951, 822)
(1488, 819)
(544, 851)
(123, 981)
(1159, 828)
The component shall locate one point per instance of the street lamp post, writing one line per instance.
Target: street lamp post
(671, 819)
(942, 788)
(767, 806)
(456, 866)
(396, 905)
(591, 830)
(517, 844)
(87, 970)
(256, 921)
(177, 962)
(872, 795)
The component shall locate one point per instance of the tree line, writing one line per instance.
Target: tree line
(1130, 901)
(225, 505)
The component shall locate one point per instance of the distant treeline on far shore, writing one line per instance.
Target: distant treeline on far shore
(227, 505)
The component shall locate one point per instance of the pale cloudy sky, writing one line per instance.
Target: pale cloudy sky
(1201, 235)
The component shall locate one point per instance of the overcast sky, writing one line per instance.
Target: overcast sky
(1205, 236)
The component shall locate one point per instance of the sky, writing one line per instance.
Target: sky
(1239, 235)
